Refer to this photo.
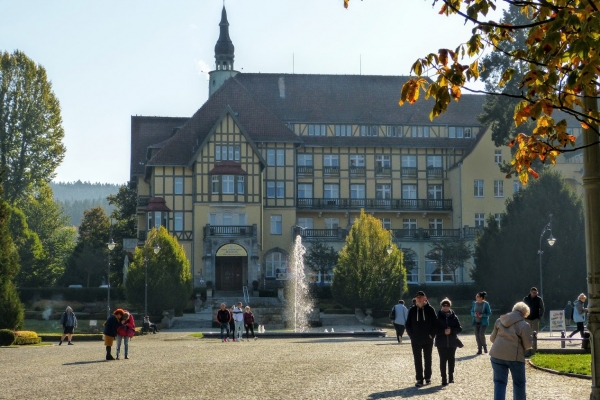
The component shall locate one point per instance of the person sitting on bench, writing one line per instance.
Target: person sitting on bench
(151, 327)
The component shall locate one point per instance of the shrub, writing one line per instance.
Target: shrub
(7, 337)
(11, 308)
(27, 337)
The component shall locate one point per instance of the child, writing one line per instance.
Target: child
(249, 323)
(110, 331)
(125, 331)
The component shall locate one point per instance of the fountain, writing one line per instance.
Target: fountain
(298, 289)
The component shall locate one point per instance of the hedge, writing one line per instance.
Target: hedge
(7, 337)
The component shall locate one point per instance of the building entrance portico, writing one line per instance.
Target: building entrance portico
(231, 266)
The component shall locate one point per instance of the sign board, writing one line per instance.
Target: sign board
(232, 250)
(557, 321)
(93, 322)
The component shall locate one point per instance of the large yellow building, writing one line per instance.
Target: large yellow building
(269, 156)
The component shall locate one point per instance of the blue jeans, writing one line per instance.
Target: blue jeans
(517, 372)
(224, 325)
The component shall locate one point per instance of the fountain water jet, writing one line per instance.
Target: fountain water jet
(299, 290)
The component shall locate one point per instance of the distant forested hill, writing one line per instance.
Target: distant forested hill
(76, 197)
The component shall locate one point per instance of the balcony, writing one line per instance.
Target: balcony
(377, 204)
(328, 235)
(409, 172)
(435, 173)
(383, 171)
(304, 170)
(331, 171)
(229, 230)
(357, 171)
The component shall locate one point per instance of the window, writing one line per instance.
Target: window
(178, 221)
(276, 225)
(419, 131)
(240, 185)
(498, 188)
(383, 194)
(306, 223)
(317, 130)
(305, 160)
(357, 160)
(434, 161)
(156, 219)
(227, 219)
(478, 188)
(330, 160)
(382, 161)
(343, 130)
(498, 218)
(331, 191)
(434, 192)
(517, 186)
(393, 131)
(357, 195)
(227, 184)
(409, 161)
(227, 153)
(369, 130)
(434, 273)
(386, 223)
(305, 191)
(332, 223)
(458, 132)
(498, 156)
(409, 223)
(215, 184)
(275, 157)
(275, 189)
(412, 271)
(435, 226)
(479, 220)
(276, 265)
(241, 219)
(409, 191)
(178, 185)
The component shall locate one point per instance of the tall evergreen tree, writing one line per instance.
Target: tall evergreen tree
(366, 275)
(507, 262)
(31, 131)
(321, 258)
(124, 215)
(11, 309)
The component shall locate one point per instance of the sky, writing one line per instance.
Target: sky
(110, 60)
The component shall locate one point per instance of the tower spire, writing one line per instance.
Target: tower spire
(223, 56)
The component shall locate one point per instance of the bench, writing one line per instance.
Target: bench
(585, 344)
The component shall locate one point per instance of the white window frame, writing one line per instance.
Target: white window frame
(478, 187)
(332, 223)
(331, 191)
(517, 186)
(409, 161)
(383, 161)
(435, 192)
(430, 267)
(434, 161)
(357, 160)
(498, 156)
(305, 191)
(276, 225)
(305, 223)
(409, 192)
(358, 191)
(479, 220)
(343, 130)
(499, 188)
(331, 160)
(305, 160)
(240, 184)
(383, 191)
(178, 185)
(386, 223)
(228, 184)
(275, 261)
(178, 221)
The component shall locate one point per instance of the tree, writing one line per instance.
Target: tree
(321, 258)
(31, 130)
(125, 216)
(11, 309)
(29, 249)
(46, 218)
(507, 262)
(169, 275)
(366, 275)
(88, 262)
(450, 255)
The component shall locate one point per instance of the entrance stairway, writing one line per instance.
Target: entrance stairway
(268, 311)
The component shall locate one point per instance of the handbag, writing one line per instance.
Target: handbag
(459, 344)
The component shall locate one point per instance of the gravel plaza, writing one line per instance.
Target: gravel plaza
(173, 365)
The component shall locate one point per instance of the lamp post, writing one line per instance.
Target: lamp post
(551, 241)
(156, 250)
(111, 246)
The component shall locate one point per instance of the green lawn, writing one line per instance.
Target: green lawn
(569, 363)
(53, 326)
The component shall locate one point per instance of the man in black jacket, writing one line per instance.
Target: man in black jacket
(536, 309)
(421, 327)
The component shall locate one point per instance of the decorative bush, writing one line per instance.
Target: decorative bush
(27, 337)
(7, 337)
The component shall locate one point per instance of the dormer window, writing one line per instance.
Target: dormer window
(157, 213)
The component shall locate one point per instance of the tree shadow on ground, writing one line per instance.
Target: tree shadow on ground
(84, 362)
(405, 393)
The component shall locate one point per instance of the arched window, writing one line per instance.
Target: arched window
(276, 264)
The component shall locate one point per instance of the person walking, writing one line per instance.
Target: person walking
(510, 338)
(579, 314)
(110, 331)
(421, 325)
(223, 318)
(536, 309)
(249, 323)
(125, 332)
(238, 319)
(446, 340)
(568, 312)
(398, 316)
(68, 320)
(480, 313)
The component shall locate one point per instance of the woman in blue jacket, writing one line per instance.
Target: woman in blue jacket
(480, 311)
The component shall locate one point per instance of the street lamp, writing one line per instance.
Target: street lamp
(111, 246)
(156, 250)
(551, 241)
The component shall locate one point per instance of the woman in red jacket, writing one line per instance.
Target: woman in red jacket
(124, 332)
(249, 323)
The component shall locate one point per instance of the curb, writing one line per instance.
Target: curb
(551, 371)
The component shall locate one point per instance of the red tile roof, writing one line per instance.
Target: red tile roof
(228, 168)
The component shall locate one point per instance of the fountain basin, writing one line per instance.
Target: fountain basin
(308, 335)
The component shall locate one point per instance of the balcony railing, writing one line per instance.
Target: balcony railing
(338, 234)
(357, 171)
(382, 204)
(435, 172)
(331, 171)
(400, 235)
(304, 170)
(409, 172)
(383, 171)
(229, 230)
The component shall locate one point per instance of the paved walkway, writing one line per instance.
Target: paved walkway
(173, 365)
